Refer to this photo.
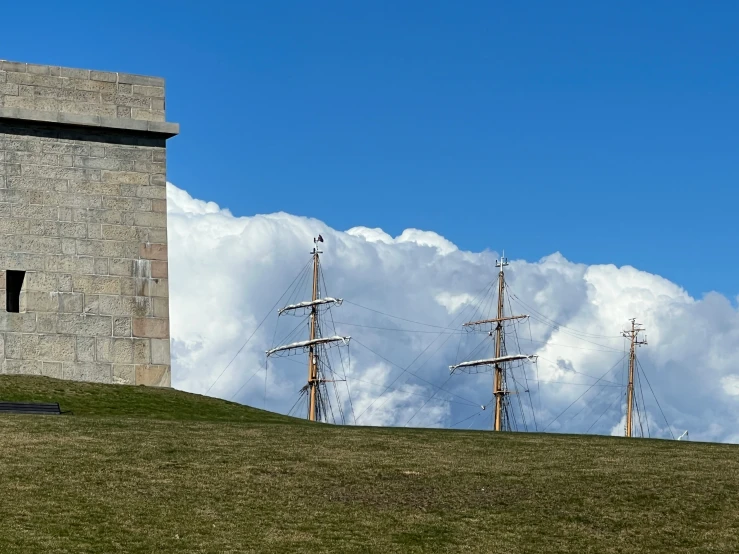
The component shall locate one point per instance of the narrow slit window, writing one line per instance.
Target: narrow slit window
(13, 284)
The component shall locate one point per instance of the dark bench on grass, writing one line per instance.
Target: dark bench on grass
(30, 408)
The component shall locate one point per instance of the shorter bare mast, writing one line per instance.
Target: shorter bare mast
(311, 346)
(633, 336)
(499, 361)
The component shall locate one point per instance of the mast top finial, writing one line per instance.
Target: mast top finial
(316, 240)
(502, 262)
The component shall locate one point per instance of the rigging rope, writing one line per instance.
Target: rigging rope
(427, 401)
(644, 404)
(453, 332)
(548, 343)
(560, 325)
(581, 373)
(264, 401)
(255, 331)
(669, 427)
(523, 369)
(406, 370)
(465, 419)
(399, 389)
(400, 318)
(579, 397)
(245, 383)
(618, 396)
(586, 406)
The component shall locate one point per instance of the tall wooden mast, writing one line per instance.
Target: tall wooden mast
(315, 343)
(498, 392)
(501, 359)
(312, 353)
(633, 336)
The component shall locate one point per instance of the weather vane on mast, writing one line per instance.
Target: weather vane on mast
(316, 240)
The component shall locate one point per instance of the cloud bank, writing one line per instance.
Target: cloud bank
(227, 273)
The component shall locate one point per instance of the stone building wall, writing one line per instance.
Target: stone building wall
(81, 91)
(83, 214)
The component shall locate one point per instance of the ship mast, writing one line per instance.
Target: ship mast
(633, 336)
(312, 356)
(498, 392)
(315, 343)
(498, 363)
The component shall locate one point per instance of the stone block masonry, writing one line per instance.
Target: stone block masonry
(83, 225)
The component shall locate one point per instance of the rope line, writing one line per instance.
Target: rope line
(255, 331)
(400, 318)
(405, 370)
(669, 427)
(618, 397)
(583, 394)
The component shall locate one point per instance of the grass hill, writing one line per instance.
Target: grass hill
(136, 469)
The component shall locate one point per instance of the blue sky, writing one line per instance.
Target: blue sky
(605, 131)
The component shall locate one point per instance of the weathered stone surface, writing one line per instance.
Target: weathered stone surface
(124, 374)
(160, 351)
(71, 302)
(40, 281)
(121, 326)
(83, 213)
(22, 261)
(46, 323)
(75, 264)
(156, 287)
(150, 327)
(52, 369)
(78, 91)
(122, 267)
(96, 284)
(122, 351)
(85, 349)
(142, 351)
(161, 307)
(153, 375)
(92, 304)
(65, 283)
(87, 325)
(93, 372)
(138, 306)
(22, 367)
(14, 346)
(159, 270)
(18, 323)
(57, 348)
(153, 252)
(31, 301)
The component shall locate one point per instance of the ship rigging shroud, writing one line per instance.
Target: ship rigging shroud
(319, 400)
(504, 418)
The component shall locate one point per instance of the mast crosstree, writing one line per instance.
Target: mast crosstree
(315, 344)
(499, 364)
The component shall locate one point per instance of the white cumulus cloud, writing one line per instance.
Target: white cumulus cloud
(227, 273)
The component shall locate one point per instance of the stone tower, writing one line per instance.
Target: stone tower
(83, 225)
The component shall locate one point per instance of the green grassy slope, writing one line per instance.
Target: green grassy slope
(184, 473)
(94, 400)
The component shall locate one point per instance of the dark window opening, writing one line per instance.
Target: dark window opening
(13, 284)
